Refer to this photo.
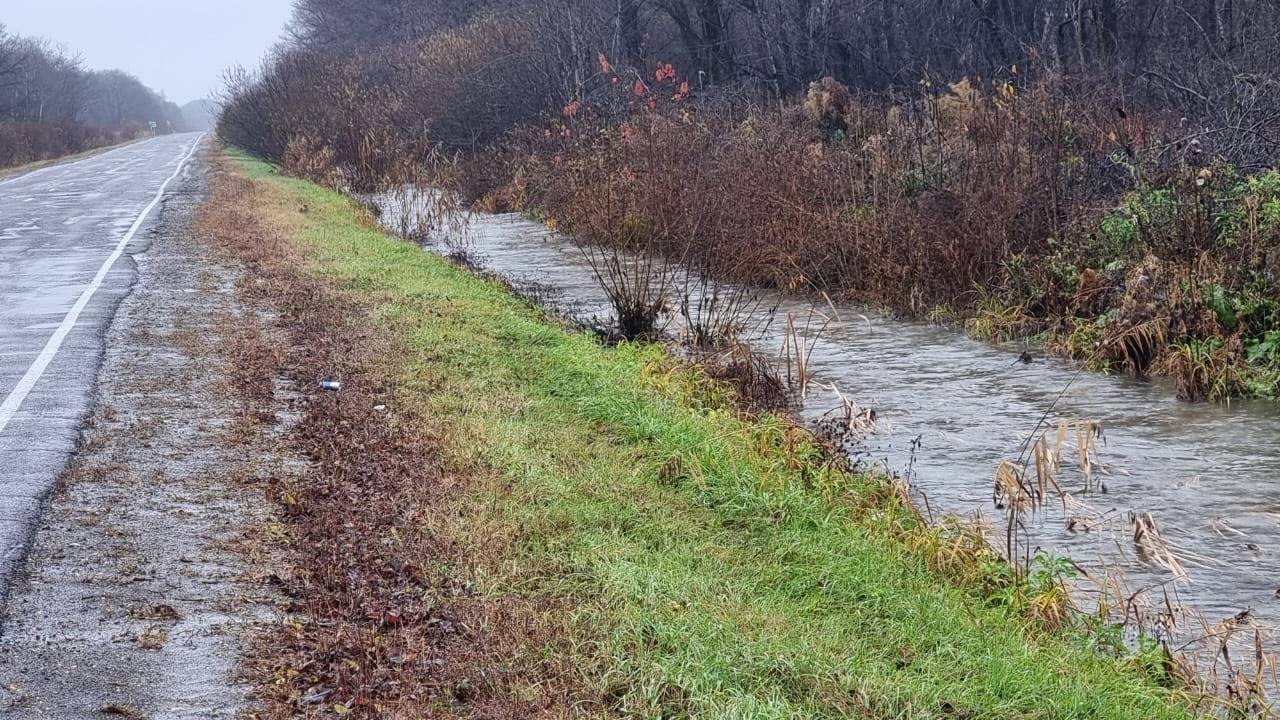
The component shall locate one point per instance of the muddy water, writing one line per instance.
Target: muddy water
(950, 409)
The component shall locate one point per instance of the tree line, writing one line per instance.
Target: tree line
(51, 104)
(462, 72)
(784, 44)
(1101, 173)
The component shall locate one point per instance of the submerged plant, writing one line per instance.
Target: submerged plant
(1204, 370)
(798, 343)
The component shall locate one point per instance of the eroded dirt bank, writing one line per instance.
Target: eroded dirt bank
(148, 571)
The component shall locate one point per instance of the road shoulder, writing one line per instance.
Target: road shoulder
(148, 570)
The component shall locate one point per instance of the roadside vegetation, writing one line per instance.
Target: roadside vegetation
(52, 107)
(1095, 177)
(946, 209)
(507, 518)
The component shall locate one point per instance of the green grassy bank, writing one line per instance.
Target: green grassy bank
(716, 565)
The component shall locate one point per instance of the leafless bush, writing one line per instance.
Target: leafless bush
(638, 282)
(715, 313)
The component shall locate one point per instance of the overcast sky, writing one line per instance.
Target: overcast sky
(179, 47)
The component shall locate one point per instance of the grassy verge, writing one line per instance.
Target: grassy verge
(665, 556)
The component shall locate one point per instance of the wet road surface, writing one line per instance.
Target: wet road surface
(67, 234)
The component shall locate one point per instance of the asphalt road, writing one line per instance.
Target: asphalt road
(67, 234)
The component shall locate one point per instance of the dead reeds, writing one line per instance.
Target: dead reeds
(799, 340)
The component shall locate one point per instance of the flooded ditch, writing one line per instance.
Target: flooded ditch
(950, 410)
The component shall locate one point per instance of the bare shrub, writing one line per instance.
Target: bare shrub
(23, 143)
(1018, 178)
(716, 314)
(638, 282)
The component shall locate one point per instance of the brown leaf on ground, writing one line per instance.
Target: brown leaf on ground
(154, 637)
(165, 613)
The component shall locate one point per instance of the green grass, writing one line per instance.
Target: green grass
(717, 566)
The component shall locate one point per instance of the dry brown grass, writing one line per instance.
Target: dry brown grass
(383, 620)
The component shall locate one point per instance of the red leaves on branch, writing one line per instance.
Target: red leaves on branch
(571, 110)
(684, 92)
(640, 89)
(666, 72)
(605, 67)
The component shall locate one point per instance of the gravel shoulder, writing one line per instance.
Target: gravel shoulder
(149, 570)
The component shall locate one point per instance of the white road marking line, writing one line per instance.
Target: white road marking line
(20, 392)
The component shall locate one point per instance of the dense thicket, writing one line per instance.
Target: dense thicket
(1212, 60)
(50, 105)
(1099, 172)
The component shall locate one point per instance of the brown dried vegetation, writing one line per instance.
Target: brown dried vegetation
(1102, 186)
(383, 620)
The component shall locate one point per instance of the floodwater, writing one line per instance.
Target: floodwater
(950, 410)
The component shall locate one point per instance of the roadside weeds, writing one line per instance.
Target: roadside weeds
(12, 172)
